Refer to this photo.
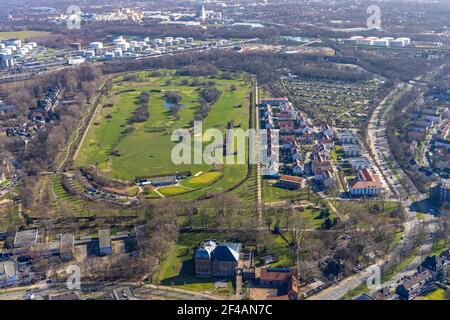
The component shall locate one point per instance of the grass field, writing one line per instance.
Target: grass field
(147, 149)
(173, 191)
(438, 294)
(22, 35)
(203, 179)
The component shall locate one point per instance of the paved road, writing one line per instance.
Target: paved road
(146, 291)
(258, 155)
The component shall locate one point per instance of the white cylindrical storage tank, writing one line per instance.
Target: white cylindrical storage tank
(118, 52)
(118, 40)
(364, 42)
(380, 43)
(109, 55)
(406, 41)
(123, 46)
(396, 43)
(13, 42)
(89, 53)
(96, 45)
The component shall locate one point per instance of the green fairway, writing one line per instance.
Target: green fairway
(172, 191)
(123, 151)
(203, 179)
(22, 35)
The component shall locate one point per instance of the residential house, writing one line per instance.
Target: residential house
(415, 285)
(352, 150)
(326, 130)
(346, 137)
(298, 168)
(323, 150)
(326, 179)
(360, 163)
(296, 154)
(327, 141)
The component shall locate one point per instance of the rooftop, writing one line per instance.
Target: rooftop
(25, 238)
(291, 179)
(104, 238)
(275, 274)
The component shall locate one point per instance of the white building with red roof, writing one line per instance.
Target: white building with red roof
(366, 184)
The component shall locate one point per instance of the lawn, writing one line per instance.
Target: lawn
(145, 148)
(22, 35)
(272, 193)
(203, 179)
(173, 191)
(438, 294)
(438, 247)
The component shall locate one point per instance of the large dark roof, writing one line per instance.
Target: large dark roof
(433, 263)
(224, 252)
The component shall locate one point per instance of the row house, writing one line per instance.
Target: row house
(346, 137)
(352, 150)
(274, 101)
(360, 163)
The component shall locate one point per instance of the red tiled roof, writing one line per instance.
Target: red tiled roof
(292, 179)
(268, 275)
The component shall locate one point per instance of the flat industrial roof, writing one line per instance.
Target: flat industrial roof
(25, 238)
(104, 238)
